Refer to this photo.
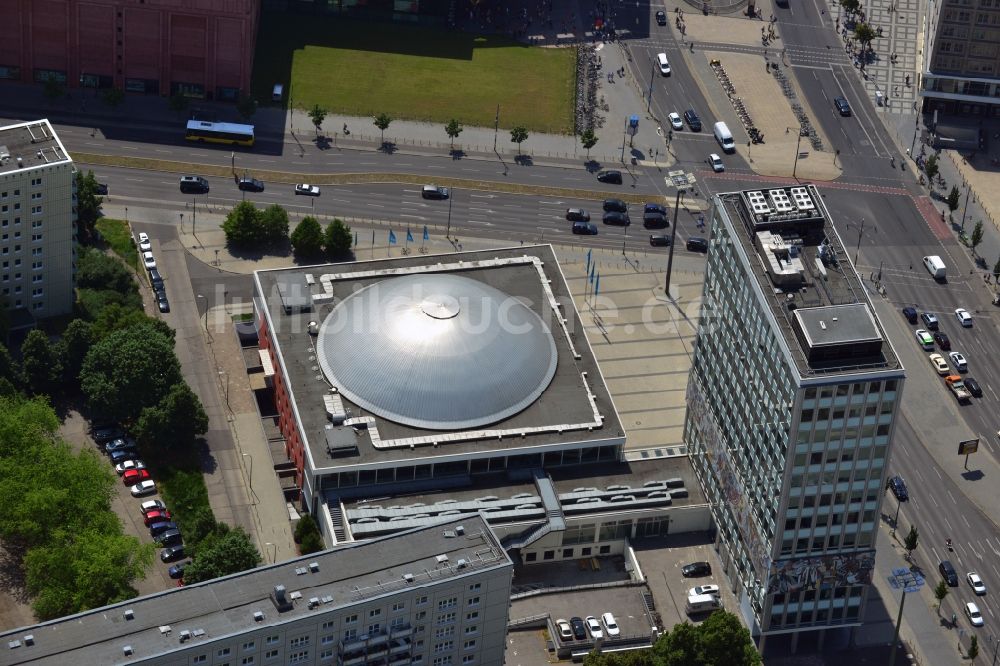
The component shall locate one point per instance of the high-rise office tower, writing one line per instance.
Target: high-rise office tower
(792, 400)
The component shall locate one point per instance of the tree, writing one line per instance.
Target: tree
(973, 648)
(11, 378)
(382, 121)
(977, 235)
(952, 199)
(931, 167)
(317, 115)
(940, 592)
(178, 103)
(77, 339)
(338, 240)
(174, 422)
(53, 89)
(200, 525)
(630, 658)
(88, 203)
(228, 554)
(679, 646)
(910, 541)
(113, 97)
(453, 129)
(96, 270)
(307, 535)
(519, 135)
(128, 371)
(41, 363)
(246, 107)
(864, 33)
(274, 224)
(851, 6)
(307, 239)
(242, 225)
(117, 317)
(588, 139)
(85, 570)
(726, 642)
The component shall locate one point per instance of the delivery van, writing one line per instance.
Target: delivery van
(702, 603)
(935, 267)
(724, 137)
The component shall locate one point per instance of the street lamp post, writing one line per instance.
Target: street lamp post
(496, 129)
(624, 134)
(194, 212)
(968, 191)
(451, 195)
(206, 310)
(673, 237)
(996, 644)
(796, 164)
(861, 232)
(909, 581)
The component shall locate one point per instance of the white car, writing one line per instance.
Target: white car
(716, 163)
(940, 365)
(661, 60)
(594, 627)
(977, 584)
(307, 189)
(964, 318)
(610, 625)
(565, 631)
(704, 589)
(959, 361)
(147, 487)
(144, 244)
(675, 121)
(123, 467)
(152, 505)
(149, 260)
(972, 612)
(924, 338)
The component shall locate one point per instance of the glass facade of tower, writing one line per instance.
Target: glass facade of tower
(791, 457)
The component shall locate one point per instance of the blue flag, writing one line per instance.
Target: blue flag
(409, 236)
(392, 238)
(597, 285)
(592, 266)
(426, 235)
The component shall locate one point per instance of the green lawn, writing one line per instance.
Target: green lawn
(116, 234)
(367, 68)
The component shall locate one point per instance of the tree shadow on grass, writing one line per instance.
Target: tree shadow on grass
(592, 166)
(524, 160)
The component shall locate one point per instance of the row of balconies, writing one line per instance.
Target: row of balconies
(398, 651)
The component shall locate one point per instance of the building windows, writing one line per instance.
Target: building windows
(35, 182)
(249, 645)
(326, 640)
(38, 306)
(351, 619)
(442, 661)
(472, 629)
(469, 644)
(223, 652)
(475, 587)
(421, 600)
(444, 646)
(200, 659)
(298, 641)
(247, 661)
(375, 612)
(447, 603)
(374, 628)
(328, 624)
(350, 634)
(36, 238)
(471, 615)
(469, 659)
(35, 196)
(445, 618)
(398, 606)
(444, 632)
(473, 601)
(270, 654)
(398, 623)
(298, 657)
(273, 640)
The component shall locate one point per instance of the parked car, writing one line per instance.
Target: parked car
(307, 189)
(661, 17)
(121, 455)
(610, 176)
(162, 526)
(615, 205)
(655, 221)
(692, 119)
(565, 631)
(579, 628)
(120, 444)
(594, 627)
(972, 612)
(172, 553)
(250, 185)
(696, 244)
(940, 365)
(898, 488)
(659, 240)
(964, 318)
(610, 625)
(942, 339)
(126, 465)
(959, 361)
(177, 571)
(147, 487)
(652, 207)
(171, 537)
(101, 189)
(696, 569)
(577, 215)
(434, 192)
(585, 228)
(134, 476)
(161, 302)
(842, 106)
(675, 121)
(930, 321)
(976, 583)
(910, 314)
(144, 244)
(704, 589)
(924, 338)
(152, 505)
(618, 219)
(156, 280)
(162, 516)
(104, 433)
(148, 260)
(974, 388)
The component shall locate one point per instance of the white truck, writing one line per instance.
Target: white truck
(935, 267)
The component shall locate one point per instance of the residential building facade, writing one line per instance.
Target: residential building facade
(197, 48)
(792, 401)
(37, 223)
(962, 58)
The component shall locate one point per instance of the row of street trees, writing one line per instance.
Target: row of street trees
(250, 228)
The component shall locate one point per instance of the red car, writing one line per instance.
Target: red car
(156, 517)
(134, 476)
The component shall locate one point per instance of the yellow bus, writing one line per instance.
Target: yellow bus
(231, 133)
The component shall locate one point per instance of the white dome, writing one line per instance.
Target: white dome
(437, 351)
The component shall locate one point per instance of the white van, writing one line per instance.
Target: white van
(702, 603)
(935, 267)
(724, 137)
(661, 60)
(277, 92)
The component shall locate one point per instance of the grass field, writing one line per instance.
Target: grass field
(116, 235)
(412, 73)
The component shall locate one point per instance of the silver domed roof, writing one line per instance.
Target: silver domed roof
(437, 351)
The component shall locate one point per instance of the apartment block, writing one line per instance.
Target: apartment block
(436, 596)
(37, 223)
(962, 73)
(792, 401)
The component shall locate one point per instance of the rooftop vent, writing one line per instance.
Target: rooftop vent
(313, 328)
(13, 645)
(127, 650)
(165, 629)
(461, 563)
(459, 530)
(198, 633)
(185, 635)
(442, 559)
(29, 639)
(314, 567)
(280, 599)
(295, 596)
(129, 614)
(408, 577)
(313, 602)
(258, 616)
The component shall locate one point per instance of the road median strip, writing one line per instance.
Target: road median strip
(170, 166)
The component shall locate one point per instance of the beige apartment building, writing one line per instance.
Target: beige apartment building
(37, 223)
